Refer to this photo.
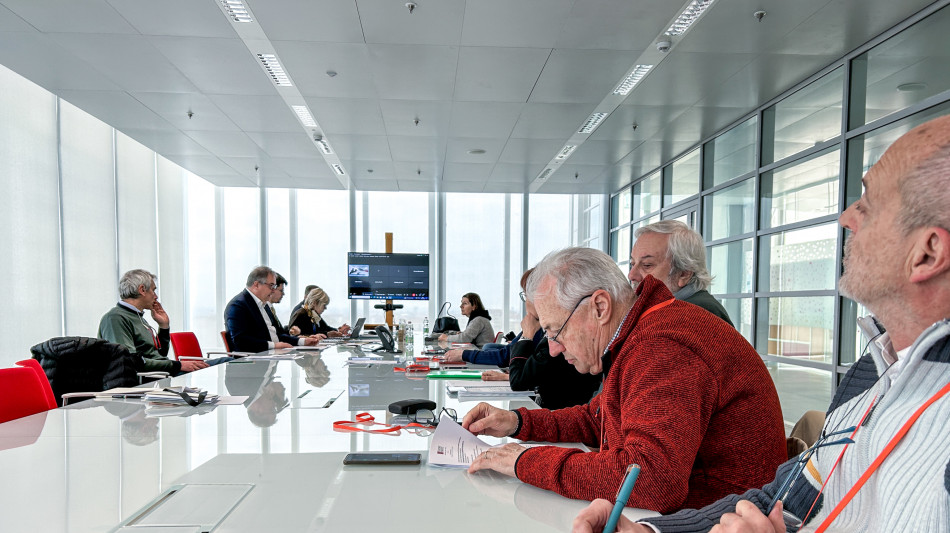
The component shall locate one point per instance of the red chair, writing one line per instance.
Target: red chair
(186, 347)
(23, 393)
(41, 375)
(227, 341)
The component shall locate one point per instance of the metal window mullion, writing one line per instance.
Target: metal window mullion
(61, 215)
(825, 219)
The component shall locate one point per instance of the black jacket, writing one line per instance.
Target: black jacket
(84, 364)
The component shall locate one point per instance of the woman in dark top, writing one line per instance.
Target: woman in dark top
(308, 319)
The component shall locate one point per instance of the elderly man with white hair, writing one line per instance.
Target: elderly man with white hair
(671, 401)
(675, 254)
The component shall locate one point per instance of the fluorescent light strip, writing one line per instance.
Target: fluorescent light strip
(338, 169)
(592, 122)
(632, 80)
(689, 15)
(325, 147)
(272, 66)
(304, 115)
(566, 152)
(236, 10)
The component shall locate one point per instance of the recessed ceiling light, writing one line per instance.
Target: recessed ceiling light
(476, 151)
(338, 168)
(566, 152)
(913, 86)
(632, 80)
(689, 15)
(236, 10)
(304, 115)
(275, 70)
(592, 122)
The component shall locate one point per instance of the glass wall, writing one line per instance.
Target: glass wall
(769, 202)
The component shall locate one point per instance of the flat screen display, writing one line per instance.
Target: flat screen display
(379, 276)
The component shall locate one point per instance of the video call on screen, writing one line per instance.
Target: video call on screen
(379, 276)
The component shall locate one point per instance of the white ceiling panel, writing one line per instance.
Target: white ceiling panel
(616, 24)
(577, 174)
(206, 166)
(363, 147)
(304, 167)
(369, 170)
(602, 152)
(763, 79)
(9, 21)
(376, 185)
(309, 62)
(551, 121)
(417, 171)
(582, 76)
(649, 120)
(498, 74)
(484, 119)
(285, 144)
(417, 148)
(399, 117)
(227, 143)
(349, 116)
(117, 109)
(416, 185)
(216, 66)
(457, 150)
(128, 60)
(515, 23)
(230, 180)
(254, 167)
(86, 16)
(413, 72)
(515, 173)
(309, 20)
(258, 113)
(684, 78)
(175, 17)
(463, 186)
(530, 150)
(167, 142)
(390, 22)
(44, 62)
(174, 108)
(466, 172)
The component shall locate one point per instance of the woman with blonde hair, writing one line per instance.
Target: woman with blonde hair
(309, 320)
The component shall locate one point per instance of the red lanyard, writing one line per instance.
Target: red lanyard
(369, 420)
(880, 459)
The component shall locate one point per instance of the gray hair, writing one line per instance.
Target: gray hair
(578, 272)
(260, 274)
(130, 282)
(686, 251)
(924, 194)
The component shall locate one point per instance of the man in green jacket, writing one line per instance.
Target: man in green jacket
(125, 324)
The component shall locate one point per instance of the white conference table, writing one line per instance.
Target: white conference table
(108, 466)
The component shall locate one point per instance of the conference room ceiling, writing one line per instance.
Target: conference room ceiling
(455, 96)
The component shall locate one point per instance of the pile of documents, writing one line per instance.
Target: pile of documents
(485, 390)
(176, 396)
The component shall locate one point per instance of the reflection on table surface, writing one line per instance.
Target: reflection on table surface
(276, 462)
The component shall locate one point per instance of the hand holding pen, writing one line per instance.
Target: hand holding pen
(603, 516)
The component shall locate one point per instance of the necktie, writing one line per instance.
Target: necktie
(273, 317)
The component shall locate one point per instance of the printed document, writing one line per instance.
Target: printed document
(453, 445)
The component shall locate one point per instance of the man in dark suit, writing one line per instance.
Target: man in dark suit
(250, 323)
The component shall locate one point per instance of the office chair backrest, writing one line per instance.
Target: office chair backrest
(185, 344)
(23, 394)
(227, 341)
(34, 365)
(499, 337)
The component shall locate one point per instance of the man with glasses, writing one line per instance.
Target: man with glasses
(247, 318)
(672, 400)
(894, 402)
(125, 324)
(275, 298)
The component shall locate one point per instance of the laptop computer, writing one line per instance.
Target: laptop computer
(354, 333)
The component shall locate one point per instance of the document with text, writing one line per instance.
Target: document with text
(453, 445)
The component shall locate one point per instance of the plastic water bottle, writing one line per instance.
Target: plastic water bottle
(409, 338)
(425, 328)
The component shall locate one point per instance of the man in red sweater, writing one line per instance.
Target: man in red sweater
(685, 396)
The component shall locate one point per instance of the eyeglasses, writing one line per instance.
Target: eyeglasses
(272, 286)
(523, 297)
(803, 461)
(564, 325)
(427, 417)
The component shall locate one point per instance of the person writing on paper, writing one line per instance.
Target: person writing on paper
(897, 264)
(479, 330)
(308, 320)
(672, 400)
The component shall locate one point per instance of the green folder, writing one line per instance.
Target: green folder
(455, 374)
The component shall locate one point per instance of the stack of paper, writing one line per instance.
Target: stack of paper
(482, 390)
(172, 396)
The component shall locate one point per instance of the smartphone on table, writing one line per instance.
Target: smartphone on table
(385, 458)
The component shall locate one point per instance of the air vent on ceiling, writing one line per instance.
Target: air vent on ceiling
(236, 10)
(566, 152)
(545, 174)
(273, 68)
(592, 122)
(339, 169)
(632, 80)
(689, 15)
(304, 115)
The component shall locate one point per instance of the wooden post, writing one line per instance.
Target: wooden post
(389, 250)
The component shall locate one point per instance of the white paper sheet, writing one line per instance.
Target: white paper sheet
(452, 445)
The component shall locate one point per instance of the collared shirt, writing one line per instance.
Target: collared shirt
(270, 327)
(141, 313)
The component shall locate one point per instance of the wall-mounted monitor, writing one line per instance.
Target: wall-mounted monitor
(378, 276)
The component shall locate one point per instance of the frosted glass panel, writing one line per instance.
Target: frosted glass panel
(203, 317)
(171, 241)
(474, 252)
(322, 260)
(242, 236)
(135, 188)
(29, 217)
(88, 220)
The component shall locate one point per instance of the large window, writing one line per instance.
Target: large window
(322, 243)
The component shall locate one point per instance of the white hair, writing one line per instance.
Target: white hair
(133, 279)
(686, 251)
(924, 193)
(578, 272)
